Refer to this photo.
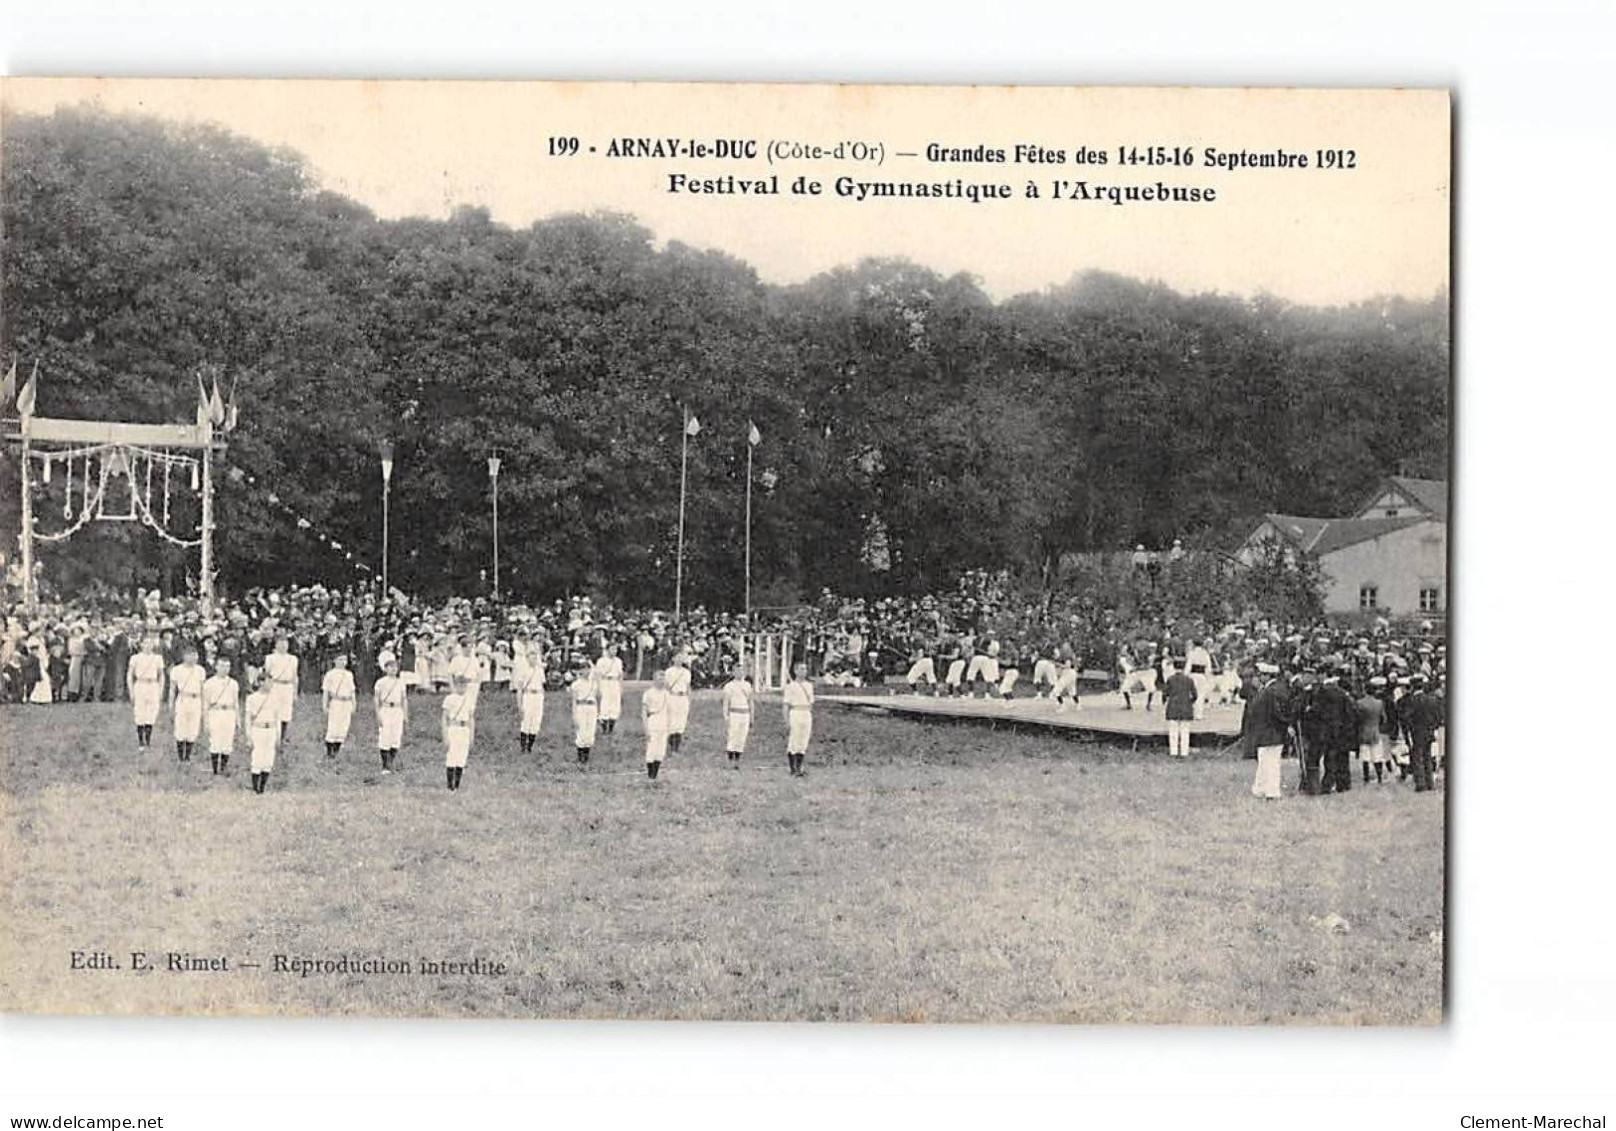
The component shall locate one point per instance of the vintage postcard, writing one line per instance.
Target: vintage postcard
(712, 551)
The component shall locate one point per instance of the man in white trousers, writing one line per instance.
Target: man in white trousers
(609, 676)
(338, 694)
(678, 681)
(185, 682)
(221, 705)
(654, 717)
(280, 683)
(392, 711)
(144, 682)
(737, 696)
(527, 679)
(798, 707)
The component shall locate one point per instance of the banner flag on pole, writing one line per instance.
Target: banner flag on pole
(692, 426)
(29, 394)
(753, 436)
(8, 387)
(216, 409)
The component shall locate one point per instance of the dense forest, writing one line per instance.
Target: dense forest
(912, 428)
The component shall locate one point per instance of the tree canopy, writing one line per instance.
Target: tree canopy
(912, 428)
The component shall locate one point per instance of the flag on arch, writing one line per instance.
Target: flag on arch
(30, 393)
(216, 409)
(753, 436)
(692, 425)
(8, 387)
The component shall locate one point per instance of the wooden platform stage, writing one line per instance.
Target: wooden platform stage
(1099, 717)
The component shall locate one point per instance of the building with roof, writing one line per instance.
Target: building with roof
(1399, 495)
(1389, 559)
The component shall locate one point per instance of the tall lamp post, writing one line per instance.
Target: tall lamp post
(493, 480)
(387, 490)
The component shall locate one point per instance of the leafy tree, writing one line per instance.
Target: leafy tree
(913, 430)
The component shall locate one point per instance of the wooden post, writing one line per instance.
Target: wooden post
(206, 586)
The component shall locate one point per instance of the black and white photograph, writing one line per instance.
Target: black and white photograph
(715, 552)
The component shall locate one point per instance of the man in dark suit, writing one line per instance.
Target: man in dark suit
(1178, 696)
(1422, 713)
(1314, 728)
(1268, 717)
(1338, 722)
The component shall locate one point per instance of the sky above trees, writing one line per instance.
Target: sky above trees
(428, 148)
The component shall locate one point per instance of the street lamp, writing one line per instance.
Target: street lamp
(493, 480)
(386, 449)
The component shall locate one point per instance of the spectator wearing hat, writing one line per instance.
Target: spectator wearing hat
(1268, 717)
(1314, 728)
(57, 668)
(1372, 746)
(1422, 714)
(1339, 718)
(93, 672)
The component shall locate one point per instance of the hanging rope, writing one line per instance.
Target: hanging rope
(117, 459)
(84, 517)
(146, 516)
(85, 514)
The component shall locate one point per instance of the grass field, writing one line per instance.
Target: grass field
(922, 872)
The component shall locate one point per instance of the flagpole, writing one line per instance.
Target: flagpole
(207, 522)
(493, 476)
(684, 478)
(29, 597)
(749, 446)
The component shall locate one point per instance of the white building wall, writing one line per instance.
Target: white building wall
(1399, 564)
